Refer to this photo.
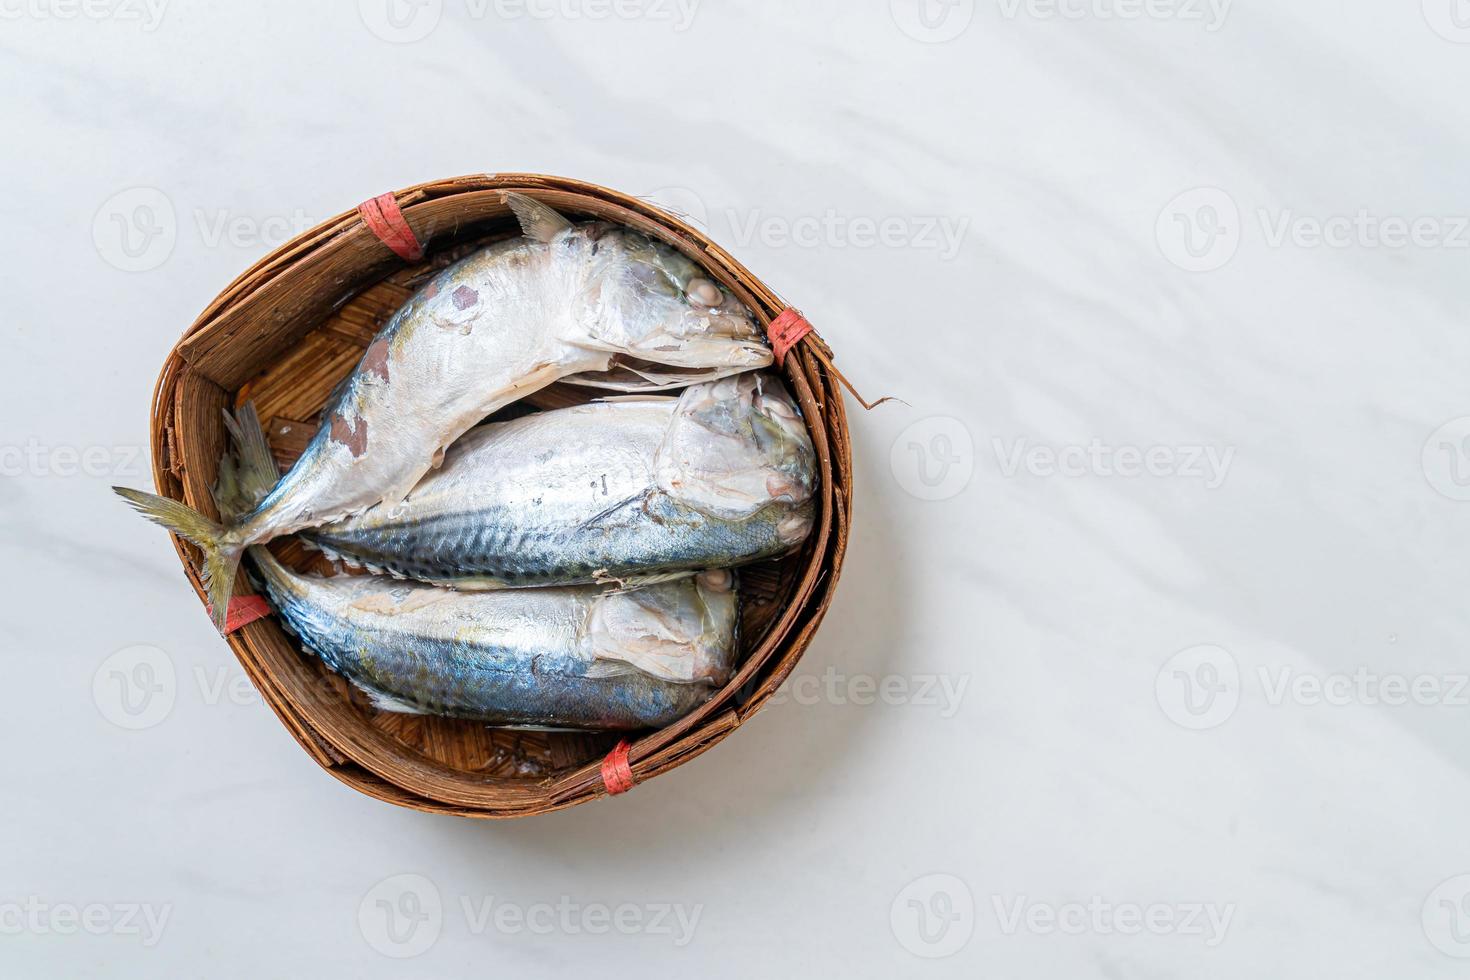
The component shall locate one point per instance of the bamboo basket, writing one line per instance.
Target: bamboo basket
(287, 330)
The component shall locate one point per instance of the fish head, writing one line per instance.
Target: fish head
(665, 320)
(683, 632)
(736, 446)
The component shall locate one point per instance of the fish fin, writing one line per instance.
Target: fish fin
(394, 495)
(627, 583)
(345, 560)
(653, 398)
(475, 583)
(221, 551)
(647, 377)
(538, 221)
(387, 702)
(671, 633)
(606, 669)
(255, 467)
(538, 728)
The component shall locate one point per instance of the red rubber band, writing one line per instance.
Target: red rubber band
(617, 775)
(786, 330)
(244, 609)
(385, 219)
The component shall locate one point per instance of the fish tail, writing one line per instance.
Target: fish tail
(255, 466)
(221, 548)
(245, 477)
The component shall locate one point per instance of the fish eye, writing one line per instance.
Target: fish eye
(704, 292)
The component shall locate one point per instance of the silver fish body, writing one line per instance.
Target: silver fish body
(572, 657)
(594, 303)
(610, 491)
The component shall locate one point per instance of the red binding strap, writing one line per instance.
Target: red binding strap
(385, 219)
(617, 775)
(786, 330)
(243, 610)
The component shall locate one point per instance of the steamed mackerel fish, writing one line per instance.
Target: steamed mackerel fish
(592, 303)
(565, 657)
(626, 490)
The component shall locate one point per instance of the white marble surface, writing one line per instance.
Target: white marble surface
(1100, 696)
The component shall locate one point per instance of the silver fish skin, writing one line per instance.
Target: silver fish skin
(592, 302)
(573, 657)
(623, 490)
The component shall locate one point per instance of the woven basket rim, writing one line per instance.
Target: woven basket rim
(204, 359)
